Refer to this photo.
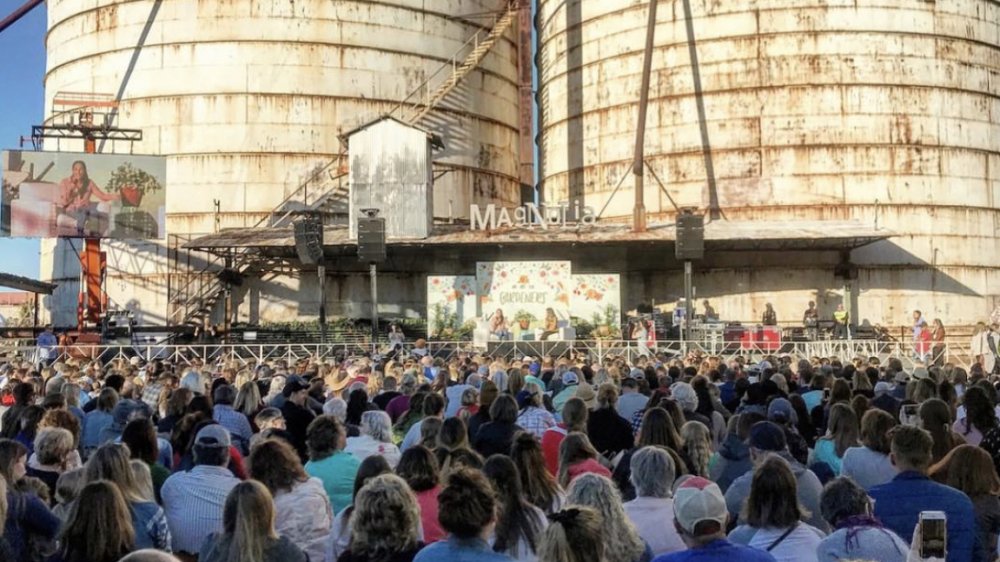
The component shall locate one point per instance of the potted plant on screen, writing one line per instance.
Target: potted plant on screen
(132, 184)
(524, 319)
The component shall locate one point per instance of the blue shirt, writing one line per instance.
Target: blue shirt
(460, 550)
(193, 502)
(236, 423)
(719, 550)
(337, 473)
(898, 505)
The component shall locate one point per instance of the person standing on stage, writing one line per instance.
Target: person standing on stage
(770, 316)
(810, 320)
(841, 322)
(710, 313)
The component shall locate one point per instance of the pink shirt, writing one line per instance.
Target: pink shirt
(428, 502)
(589, 466)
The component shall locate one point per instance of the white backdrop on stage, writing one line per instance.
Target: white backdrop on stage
(524, 290)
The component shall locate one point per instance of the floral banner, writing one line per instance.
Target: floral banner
(596, 299)
(451, 303)
(524, 292)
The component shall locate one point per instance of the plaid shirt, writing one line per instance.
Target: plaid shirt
(536, 420)
(151, 395)
(237, 424)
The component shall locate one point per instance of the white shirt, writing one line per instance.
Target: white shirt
(365, 446)
(799, 546)
(654, 520)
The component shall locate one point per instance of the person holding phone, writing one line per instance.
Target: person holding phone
(899, 503)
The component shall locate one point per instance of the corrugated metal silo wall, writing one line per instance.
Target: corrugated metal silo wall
(815, 110)
(247, 97)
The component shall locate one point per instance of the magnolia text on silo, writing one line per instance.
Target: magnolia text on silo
(530, 215)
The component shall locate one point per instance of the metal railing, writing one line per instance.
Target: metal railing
(249, 354)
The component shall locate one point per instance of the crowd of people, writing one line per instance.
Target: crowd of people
(474, 458)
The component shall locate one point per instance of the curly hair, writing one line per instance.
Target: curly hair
(62, 419)
(697, 446)
(385, 520)
(276, 465)
(621, 540)
(52, 445)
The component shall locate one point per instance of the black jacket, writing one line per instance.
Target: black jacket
(495, 438)
(297, 420)
(609, 432)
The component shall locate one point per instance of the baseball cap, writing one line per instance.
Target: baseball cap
(213, 435)
(920, 372)
(134, 361)
(901, 377)
(780, 410)
(636, 373)
(767, 436)
(569, 377)
(586, 393)
(882, 386)
(698, 500)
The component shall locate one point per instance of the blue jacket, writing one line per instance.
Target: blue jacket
(899, 502)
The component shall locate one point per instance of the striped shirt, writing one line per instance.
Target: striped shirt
(193, 502)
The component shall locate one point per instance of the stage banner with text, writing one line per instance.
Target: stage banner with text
(451, 305)
(524, 291)
(52, 194)
(596, 302)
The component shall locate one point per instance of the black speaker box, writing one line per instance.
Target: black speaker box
(371, 239)
(690, 237)
(309, 240)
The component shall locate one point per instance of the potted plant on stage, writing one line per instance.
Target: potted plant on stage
(524, 319)
(132, 184)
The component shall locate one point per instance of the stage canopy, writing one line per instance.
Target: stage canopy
(720, 235)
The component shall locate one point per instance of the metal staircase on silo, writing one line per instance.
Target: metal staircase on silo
(199, 292)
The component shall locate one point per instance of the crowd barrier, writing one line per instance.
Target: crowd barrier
(242, 354)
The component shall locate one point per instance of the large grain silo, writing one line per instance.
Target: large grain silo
(246, 98)
(879, 111)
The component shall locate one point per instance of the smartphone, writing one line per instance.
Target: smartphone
(933, 534)
(826, 394)
(908, 414)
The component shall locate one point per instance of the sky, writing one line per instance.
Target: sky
(22, 73)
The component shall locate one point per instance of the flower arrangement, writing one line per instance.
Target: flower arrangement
(132, 183)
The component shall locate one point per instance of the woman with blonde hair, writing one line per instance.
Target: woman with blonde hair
(697, 447)
(385, 524)
(248, 401)
(112, 462)
(842, 434)
(573, 535)
(302, 508)
(99, 527)
(248, 533)
(622, 542)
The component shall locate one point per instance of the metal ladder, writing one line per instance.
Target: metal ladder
(201, 293)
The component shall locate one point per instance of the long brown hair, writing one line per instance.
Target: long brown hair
(99, 526)
(969, 469)
(843, 428)
(540, 488)
(935, 417)
(773, 500)
(275, 464)
(658, 428)
(574, 448)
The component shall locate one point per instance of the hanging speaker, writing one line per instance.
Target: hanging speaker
(371, 239)
(309, 240)
(690, 236)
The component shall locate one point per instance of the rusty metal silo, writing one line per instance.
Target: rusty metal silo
(811, 110)
(247, 97)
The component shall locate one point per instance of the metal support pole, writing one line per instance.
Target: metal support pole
(373, 271)
(686, 332)
(321, 271)
(638, 165)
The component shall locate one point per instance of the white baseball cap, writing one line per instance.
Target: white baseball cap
(697, 500)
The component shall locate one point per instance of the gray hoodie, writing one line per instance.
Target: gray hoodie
(809, 488)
